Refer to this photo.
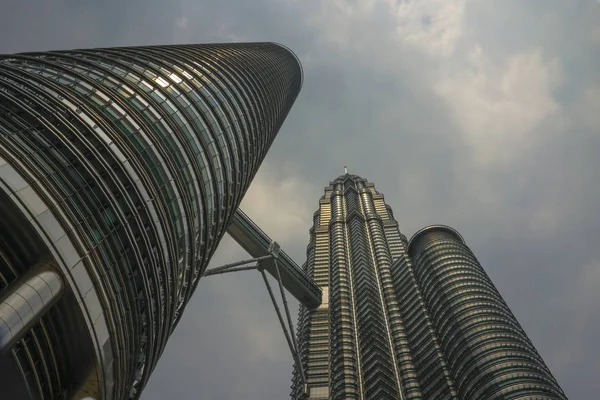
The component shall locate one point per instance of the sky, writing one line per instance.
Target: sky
(476, 114)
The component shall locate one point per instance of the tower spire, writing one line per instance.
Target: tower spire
(345, 169)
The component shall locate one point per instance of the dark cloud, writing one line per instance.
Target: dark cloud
(484, 118)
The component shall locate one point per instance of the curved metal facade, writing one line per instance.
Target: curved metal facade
(129, 163)
(406, 320)
(486, 349)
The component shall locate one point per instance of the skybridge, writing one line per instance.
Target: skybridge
(258, 244)
(268, 256)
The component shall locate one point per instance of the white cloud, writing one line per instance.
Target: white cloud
(182, 22)
(277, 202)
(581, 306)
(499, 108)
(587, 107)
(545, 218)
(433, 26)
(344, 24)
(430, 26)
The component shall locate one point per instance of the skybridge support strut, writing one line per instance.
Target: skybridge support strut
(288, 329)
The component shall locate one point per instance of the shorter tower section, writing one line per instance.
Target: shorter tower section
(488, 353)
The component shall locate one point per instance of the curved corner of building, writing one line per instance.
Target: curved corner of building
(296, 59)
(423, 232)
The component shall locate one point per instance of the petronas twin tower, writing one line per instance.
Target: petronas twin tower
(121, 170)
(416, 319)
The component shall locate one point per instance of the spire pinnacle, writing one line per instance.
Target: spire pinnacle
(345, 169)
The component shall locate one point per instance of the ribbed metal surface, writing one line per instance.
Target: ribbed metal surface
(486, 349)
(146, 152)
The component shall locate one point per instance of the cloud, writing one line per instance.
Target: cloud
(431, 26)
(275, 204)
(583, 312)
(182, 22)
(499, 107)
(588, 106)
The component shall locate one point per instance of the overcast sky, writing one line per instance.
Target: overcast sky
(483, 115)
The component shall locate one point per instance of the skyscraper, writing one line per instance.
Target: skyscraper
(400, 319)
(119, 172)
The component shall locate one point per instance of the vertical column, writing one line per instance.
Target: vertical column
(377, 365)
(345, 372)
(405, 372)
(488, 353)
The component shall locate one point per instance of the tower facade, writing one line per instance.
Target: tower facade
(401, 319)
(119, 172)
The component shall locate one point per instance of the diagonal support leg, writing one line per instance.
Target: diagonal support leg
(210, 272)
(288, 329)
(289, 318)
(285, 330)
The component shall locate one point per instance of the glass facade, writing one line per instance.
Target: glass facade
(403, 319)
(128, 164)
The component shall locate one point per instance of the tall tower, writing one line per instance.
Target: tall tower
(400, 319)
(119, 172)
